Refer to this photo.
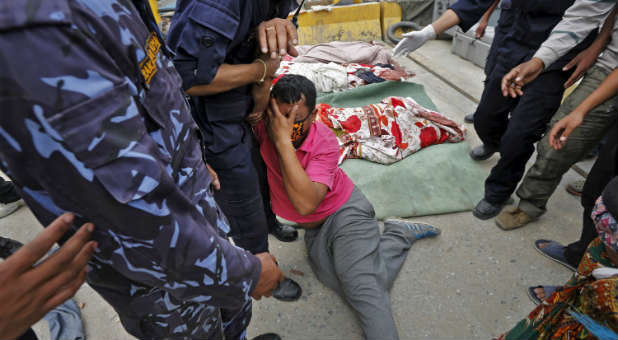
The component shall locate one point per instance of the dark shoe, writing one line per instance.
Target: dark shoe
(284, 232)
(469, 118)
(288, 291)
(485, 210)
(8, 247)
(267, 336)
(482, 152)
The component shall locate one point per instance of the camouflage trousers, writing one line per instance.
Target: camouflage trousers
(544, 176)
(184, 323)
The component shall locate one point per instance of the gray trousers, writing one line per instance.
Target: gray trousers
(348, 254)
(544, 176)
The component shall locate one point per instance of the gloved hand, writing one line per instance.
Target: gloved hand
(413, 40)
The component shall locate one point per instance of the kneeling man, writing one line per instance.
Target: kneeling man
(345, 247)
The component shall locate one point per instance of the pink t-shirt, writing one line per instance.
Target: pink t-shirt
(318, 155)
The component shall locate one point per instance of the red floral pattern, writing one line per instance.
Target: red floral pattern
(388, 131)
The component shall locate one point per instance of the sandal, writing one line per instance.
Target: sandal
(576, 188)
(554, 251)
(549, 290)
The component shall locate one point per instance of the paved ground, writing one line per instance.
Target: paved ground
(468, 283)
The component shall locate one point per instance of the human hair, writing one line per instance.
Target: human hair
(290, 89)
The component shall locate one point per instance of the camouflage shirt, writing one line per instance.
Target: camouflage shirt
(94, 121)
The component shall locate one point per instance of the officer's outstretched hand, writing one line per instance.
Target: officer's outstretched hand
(563, 129)
(518, 77)
(278, 38)
(413, 40)
(269, 278)
(29, 291)
(582, 62)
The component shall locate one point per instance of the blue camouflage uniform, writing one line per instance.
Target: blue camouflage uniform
(94, 121)
(512, 126)
(204, 35)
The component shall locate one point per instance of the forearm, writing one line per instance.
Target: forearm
(465, 13)
(490, 11)
(446, 21)
(229, 77)
(604, 37)
(604, 92)
(298, 185)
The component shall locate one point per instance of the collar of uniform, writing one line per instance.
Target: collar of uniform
(21, 13)
(307, 145)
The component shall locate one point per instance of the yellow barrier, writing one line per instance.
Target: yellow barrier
(155, 10)
(367, 21)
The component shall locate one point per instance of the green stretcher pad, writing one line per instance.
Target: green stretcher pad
(439, 179)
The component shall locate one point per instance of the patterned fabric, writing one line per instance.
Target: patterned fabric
(94, 122)
(343, 52)
(606, 225)
(333, 77)
(583, 17)
(597, 299)
(389, 131)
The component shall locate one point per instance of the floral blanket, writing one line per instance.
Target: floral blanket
(389, 131)
(332, 77)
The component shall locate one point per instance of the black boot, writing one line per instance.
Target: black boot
(267, 336)
(485, 210)
(288, 290)
(284, 232)
(469, 118)
(482, 152)
(8, 247)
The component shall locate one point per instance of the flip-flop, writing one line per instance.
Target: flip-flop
(549, 290)
(553, 251)
(575, 188)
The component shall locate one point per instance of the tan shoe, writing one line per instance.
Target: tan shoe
(512, 219)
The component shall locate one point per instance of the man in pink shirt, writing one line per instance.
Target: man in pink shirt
(346, 251)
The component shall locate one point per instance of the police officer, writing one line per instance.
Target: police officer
(226, 53)
(94, 121)
(508, 125)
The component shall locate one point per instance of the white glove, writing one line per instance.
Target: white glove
(413, 40)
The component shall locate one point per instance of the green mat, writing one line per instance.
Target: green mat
(437, 180)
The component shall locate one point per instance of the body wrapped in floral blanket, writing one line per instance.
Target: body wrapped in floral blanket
(389, 131)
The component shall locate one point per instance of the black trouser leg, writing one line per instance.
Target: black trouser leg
(228, 150)
(29, 335)
(604, 169)
(492, 114)
(8, 193)
(260, 167)
(528, 121)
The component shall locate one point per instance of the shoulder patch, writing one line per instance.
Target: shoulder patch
(16, 14)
